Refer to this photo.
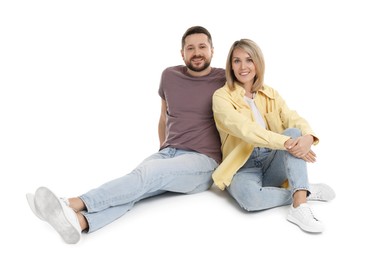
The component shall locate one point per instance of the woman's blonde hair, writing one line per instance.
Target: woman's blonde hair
(256, 55)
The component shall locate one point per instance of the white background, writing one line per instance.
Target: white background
(79, 106)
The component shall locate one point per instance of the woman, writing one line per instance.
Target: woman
(265, 145)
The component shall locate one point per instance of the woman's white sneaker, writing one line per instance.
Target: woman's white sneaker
(58, 214)
(304, 218)
(321, 192)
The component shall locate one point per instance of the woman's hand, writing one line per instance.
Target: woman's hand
(301, 148)
(310, 157)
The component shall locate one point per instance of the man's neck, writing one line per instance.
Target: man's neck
(199, 73)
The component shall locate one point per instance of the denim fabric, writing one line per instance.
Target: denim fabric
(169, 170)
(256, 185)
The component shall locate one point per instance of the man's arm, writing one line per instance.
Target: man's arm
(162, 123)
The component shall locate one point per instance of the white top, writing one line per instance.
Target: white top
(257, 115)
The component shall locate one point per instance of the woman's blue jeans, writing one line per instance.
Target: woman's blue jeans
(169, 170)
(257, 185)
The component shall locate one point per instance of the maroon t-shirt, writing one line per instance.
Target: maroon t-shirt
(190, 124)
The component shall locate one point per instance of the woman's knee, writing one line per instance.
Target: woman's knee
(292, 132)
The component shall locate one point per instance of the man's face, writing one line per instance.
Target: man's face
(197, 52)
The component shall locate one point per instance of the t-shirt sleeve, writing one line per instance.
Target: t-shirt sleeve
(161, 92)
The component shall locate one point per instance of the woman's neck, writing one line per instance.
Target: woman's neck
(248, 90)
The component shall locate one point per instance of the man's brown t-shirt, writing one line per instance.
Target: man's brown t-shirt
(190, 124)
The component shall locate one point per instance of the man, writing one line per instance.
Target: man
(189, 149)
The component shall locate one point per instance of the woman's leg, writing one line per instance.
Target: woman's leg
(246, 188)
(281, 165)
(257, 185)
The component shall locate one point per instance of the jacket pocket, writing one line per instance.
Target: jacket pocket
(274, 122)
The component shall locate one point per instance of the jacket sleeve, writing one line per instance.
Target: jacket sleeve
(291, 119)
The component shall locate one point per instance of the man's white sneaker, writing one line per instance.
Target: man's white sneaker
(304, 218)
(58, 214)
(321, 192)
(30, 199)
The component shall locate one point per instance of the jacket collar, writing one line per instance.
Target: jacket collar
(240, 91)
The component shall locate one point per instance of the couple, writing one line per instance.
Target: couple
(262, 164)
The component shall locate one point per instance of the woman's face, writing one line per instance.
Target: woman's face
(243, 67)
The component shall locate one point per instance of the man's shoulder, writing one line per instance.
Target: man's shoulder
(182, 69)
(218, 73)
(177, 68)
(218, 70)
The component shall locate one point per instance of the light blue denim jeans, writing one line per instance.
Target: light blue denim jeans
(256, 186)
(169, 170)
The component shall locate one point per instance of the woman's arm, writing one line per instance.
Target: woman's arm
(238, 123)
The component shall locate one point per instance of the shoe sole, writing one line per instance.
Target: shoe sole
(304, 227)
(51, 210)
(30, 199)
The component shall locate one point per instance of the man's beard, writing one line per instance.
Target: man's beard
(198, 69)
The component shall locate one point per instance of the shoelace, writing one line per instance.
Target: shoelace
(316, 196)
(65, 200)
(308, 211)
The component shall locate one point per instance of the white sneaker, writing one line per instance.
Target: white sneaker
(321, 192)
(304, 218)
(58, 214)
(30, 199)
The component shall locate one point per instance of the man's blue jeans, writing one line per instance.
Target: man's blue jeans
(169, 170)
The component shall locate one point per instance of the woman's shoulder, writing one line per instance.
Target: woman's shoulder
(224, 90)
(269, 91)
